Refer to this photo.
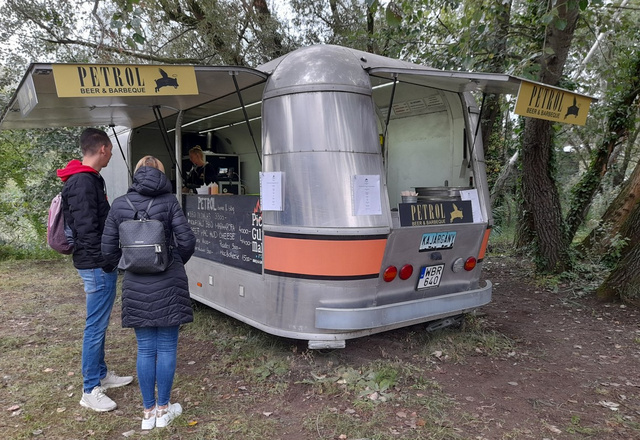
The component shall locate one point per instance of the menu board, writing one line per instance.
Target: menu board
(228, 229)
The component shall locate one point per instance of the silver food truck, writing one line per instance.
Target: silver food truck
(352, 194)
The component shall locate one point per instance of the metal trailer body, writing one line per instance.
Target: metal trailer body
(322, 265)
(330, 251)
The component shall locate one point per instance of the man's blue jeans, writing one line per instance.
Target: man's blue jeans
(100, 289)
(157, 358)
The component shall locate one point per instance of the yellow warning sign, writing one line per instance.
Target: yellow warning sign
(545, 102)
(95, 80)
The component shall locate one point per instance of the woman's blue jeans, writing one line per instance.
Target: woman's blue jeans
(156, 364)
(100, 289)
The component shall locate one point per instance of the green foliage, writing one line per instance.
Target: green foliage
(172, 31)
(374, 384)
(615, 250)
(14, 253)
(28, 182)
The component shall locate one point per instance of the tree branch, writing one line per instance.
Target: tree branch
(112, 49)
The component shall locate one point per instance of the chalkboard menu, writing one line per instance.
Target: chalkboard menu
(228, 229)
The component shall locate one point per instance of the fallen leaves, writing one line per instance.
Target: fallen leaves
(411, 420)
(613, 406)
(553, 429)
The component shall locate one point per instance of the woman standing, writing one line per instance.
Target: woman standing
(154, 305)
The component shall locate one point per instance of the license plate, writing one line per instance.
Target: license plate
(430, 276)
(437, 240)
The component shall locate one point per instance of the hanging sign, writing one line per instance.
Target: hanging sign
(536, 100)
(97, 80)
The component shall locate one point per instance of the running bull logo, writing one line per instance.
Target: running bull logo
(165, 81)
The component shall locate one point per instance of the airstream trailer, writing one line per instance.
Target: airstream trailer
(352, 196)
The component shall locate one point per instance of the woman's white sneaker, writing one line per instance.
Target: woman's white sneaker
(149, 419)
(164, 416)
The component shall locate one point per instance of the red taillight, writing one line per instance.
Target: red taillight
(406, 271)
(470, 264)
(390, 273)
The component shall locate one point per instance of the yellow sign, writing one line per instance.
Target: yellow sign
(546, 102)
(96, 80)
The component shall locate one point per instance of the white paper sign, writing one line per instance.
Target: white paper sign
(271, 191)
(365, 190)
(472, 194)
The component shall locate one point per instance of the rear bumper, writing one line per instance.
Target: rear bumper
(405, 313)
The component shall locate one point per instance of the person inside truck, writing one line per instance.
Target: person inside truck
(201, 173)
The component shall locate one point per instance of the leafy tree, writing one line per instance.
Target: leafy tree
(621, 119)
(28, 180)
(623, 283)
(353, 23)
(543, 222)
(166, 31)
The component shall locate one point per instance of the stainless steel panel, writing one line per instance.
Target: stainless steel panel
(332, 138)
(403, 248)
(404, 312)
(318, 68)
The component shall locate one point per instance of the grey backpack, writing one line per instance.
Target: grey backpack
(143, 244)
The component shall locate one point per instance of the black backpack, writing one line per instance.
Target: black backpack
(143, 243)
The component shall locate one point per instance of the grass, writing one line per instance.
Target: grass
(234, 381)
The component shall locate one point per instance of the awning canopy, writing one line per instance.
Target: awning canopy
(534, 99)
(455, 81)
(57, 95)
(37, 104)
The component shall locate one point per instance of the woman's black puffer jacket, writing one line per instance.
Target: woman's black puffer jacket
(158, 299)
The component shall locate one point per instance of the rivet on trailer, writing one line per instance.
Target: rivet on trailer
(352, 197)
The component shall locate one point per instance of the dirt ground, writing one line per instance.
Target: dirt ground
(571, 372)
(574, 359)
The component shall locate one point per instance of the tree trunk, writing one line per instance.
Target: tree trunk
(541, 193)
(620, 121)
(621, 170)
(541, 198)
(617, 214)
(492, 109)
(499, 187)
(624, 281)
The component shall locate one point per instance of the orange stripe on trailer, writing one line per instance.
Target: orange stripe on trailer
(323, 257)
(485, 242)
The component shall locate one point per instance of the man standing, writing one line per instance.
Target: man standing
(85, 206)
(202, 172)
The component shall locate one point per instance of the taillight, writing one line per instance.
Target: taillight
(470, 264)
(390, 273)
(406, 271)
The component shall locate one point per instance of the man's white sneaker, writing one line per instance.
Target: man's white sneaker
(97, 400)
(112, 380)
(164, 416)
(149, 419)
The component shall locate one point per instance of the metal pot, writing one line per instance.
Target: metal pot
(439, 193)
